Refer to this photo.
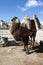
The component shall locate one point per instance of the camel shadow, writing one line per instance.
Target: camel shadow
(40, 48)
(37, 49)
(14, 43)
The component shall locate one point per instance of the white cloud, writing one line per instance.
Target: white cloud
(31, 3)
(22, 8)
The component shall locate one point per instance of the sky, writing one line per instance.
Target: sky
(20, 8)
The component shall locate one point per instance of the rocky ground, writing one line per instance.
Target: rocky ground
(14, 55)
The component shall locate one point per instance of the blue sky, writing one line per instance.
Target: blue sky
(20, 8)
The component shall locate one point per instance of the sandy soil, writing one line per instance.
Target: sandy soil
(14, 55)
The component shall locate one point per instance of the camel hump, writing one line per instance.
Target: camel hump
(26, 17)
(26, 21)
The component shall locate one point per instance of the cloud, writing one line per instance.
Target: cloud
(22, 8)
(31, 3)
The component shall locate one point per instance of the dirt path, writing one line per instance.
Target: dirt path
(14, 55)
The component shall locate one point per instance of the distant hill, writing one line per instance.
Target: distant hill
(4, 24)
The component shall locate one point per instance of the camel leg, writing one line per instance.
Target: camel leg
(27, 50)
(25, 40)
(24, 48)
(33, 41)
(26, 44)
